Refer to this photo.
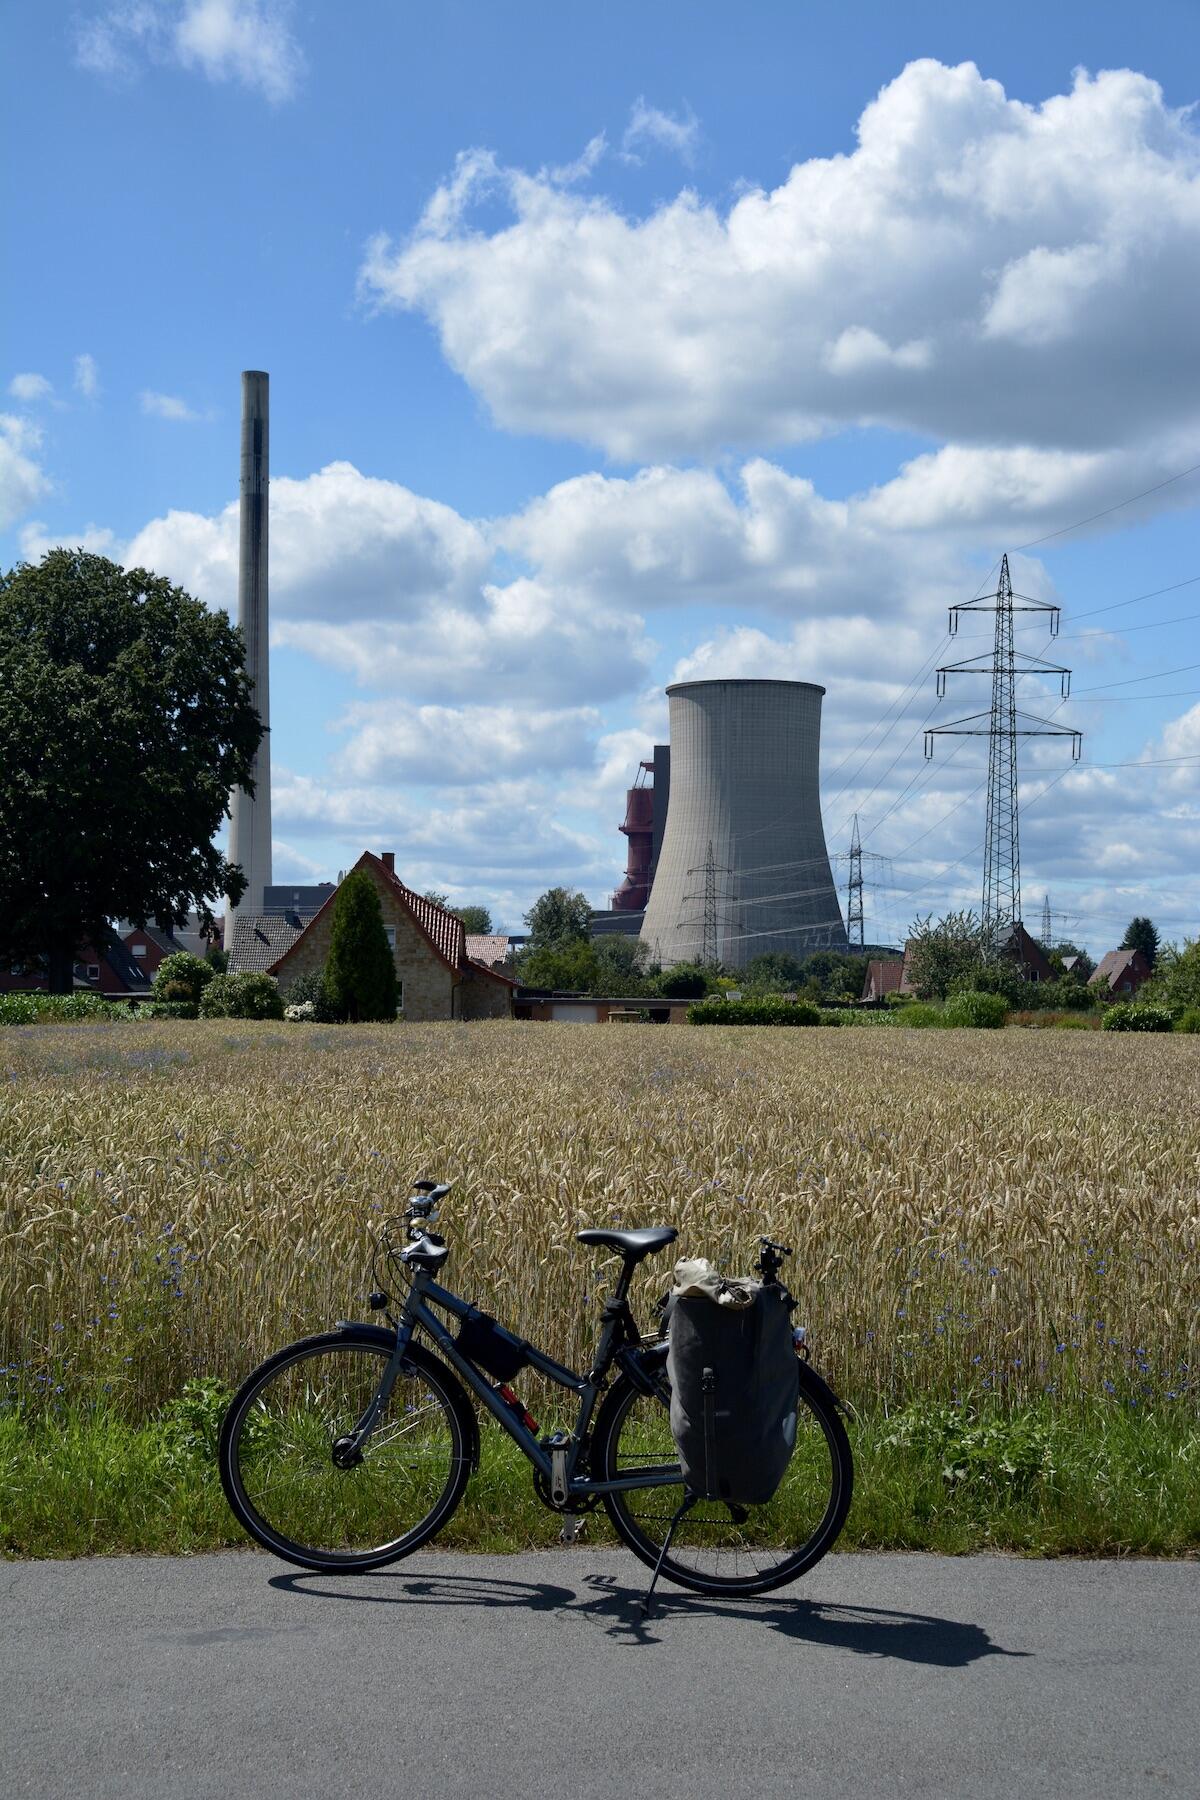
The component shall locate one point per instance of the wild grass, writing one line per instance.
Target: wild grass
(1006, 1219)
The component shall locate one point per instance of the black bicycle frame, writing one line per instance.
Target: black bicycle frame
(618, 1338)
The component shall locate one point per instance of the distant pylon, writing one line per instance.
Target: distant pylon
(710, 932)
(1002, 847)
(1046, 926)
(854, 891)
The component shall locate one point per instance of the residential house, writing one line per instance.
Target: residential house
(436, 976)
(885, 975)
(1121, 973)
(110, 970)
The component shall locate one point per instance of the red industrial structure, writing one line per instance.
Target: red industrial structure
(634, 891)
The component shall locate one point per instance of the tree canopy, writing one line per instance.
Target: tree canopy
(360, 975)
(560, 916)
(476, 919)
(1142, 934)
(939, 953)
(126, 720)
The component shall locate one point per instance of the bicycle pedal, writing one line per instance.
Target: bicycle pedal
(573, 1527)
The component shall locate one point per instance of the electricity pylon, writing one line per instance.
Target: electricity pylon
(1003, 726)
(854, 892)
(710, 929)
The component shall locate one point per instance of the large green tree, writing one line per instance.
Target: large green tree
(125, 721)
(476, 919)
(939, 953)
(561, 916)
(360, 975)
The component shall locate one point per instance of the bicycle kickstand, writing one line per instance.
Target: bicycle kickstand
(689, 1500)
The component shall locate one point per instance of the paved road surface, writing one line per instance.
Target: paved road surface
(533, 1675)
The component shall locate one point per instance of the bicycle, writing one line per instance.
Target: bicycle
(348, 1450)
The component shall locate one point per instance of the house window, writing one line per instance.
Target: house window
(391, 936)
(93, 971)
(138, 949)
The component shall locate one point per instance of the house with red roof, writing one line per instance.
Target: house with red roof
(1121, 973)
(436, 976)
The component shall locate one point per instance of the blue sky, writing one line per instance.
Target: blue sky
(612, 346)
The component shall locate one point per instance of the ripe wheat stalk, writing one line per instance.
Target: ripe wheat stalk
(1011, 1213)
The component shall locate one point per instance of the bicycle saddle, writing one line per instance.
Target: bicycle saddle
(633, 1244)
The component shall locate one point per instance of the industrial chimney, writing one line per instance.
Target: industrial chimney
(250, 822)
(743, 868)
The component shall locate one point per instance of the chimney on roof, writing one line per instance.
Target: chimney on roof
(388, 859)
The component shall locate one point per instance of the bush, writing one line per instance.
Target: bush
(1139, 1017)
(303, 1013)
(980, 1012)
(1064, 995)
(1001, 977)
(171, 1009)
(248, 996)
(182, 976)
(753, 1012)
(920, 1016)
(685, 981)
(870, 1015)
(829, 1017)
(1189, 1020)
(310, 990)
(33, 1008)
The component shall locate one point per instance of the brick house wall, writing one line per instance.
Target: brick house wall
(431, 987)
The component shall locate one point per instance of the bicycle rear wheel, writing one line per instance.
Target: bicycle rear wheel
(718, 1548)
(279, 1453)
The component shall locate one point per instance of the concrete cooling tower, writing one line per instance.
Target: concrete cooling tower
(743, 867)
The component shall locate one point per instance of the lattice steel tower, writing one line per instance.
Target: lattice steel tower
(854, 891)
(1003, 726)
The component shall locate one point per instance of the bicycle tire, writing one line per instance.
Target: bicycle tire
(634, 1428)
(297, 1404)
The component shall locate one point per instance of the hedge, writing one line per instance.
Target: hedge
(30, 1007)
(753, 1012)
(1139, 1017)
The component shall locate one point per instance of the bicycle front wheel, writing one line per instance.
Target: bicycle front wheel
(718, 1548)
(284, 1463)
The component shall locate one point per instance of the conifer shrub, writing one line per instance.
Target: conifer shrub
(360, 975)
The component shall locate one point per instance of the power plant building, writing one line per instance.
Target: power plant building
(743, 868)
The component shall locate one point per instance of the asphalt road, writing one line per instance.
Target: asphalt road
(534, 1675)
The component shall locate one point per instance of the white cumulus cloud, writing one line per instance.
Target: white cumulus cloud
(977, 269)
(649, 125)
(248, 41)
(169, 406)
(22, 478)
(30, 388)
(87, 376)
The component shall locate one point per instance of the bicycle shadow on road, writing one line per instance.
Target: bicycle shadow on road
(866, 1630)
(617, 1606)
(404, 1588)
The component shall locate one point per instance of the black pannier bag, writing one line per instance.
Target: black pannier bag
(481, 1340)
(734, 1394)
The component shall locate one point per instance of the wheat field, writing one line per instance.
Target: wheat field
(1012, 1213)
